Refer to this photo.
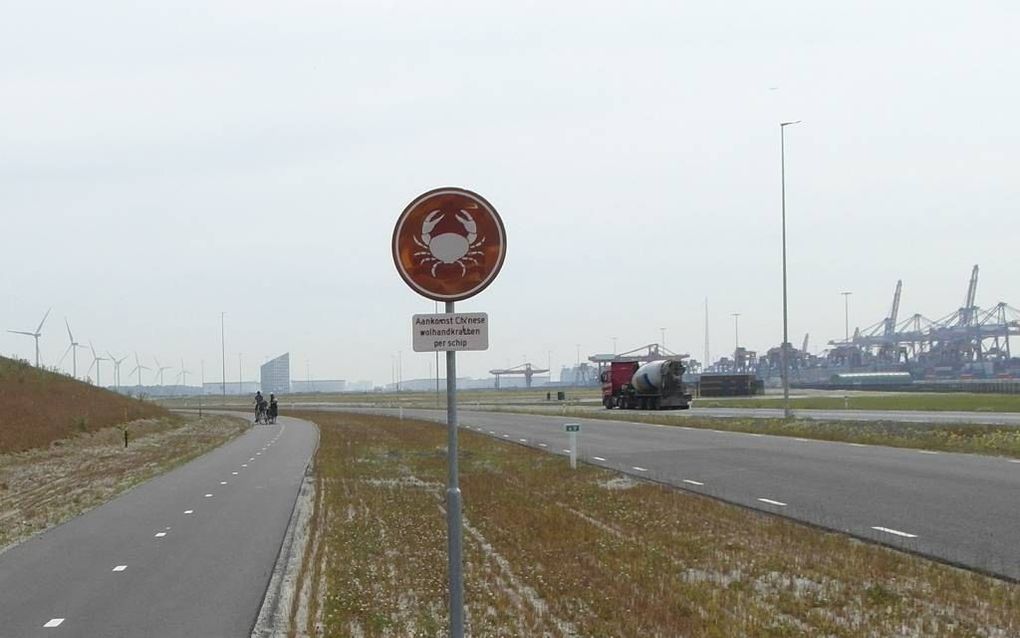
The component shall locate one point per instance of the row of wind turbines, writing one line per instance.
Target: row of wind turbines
(73, 347)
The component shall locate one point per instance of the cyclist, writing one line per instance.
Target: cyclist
(274, 408)
(260, 406)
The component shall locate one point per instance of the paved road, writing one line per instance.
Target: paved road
(960, 508)
(187, 554)
(899, 416)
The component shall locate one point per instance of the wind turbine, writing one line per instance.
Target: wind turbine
(158, 372)
(116, 367)
(73, 349)
(183, 374)
(138, 368)
(36, 335)
(95, 362)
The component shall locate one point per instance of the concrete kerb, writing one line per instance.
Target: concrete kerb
(273, 620)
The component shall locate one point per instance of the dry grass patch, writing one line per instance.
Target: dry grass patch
(554, 552)
(44, 487)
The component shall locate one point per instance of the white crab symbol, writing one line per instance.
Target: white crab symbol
(449, 248)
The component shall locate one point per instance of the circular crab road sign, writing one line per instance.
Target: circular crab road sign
(449, 244)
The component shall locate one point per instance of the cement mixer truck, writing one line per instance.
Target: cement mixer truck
(656, 385)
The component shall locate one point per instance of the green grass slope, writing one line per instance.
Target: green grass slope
(38, 407)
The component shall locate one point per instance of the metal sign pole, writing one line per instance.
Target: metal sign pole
(453, 513)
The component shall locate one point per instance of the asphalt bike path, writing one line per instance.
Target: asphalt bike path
(186, 554)
(959, 508)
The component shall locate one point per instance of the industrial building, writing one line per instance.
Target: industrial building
(309, 386)
(230, 387)
(275, 375)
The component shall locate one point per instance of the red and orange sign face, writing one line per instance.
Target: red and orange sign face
(449, 244)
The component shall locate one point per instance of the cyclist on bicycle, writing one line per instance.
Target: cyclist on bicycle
(260, 406)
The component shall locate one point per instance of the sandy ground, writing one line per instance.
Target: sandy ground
(42, 488)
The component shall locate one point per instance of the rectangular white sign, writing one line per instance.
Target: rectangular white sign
(455, 331)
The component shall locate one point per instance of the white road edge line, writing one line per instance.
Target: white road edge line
(693, 482)
(1014, 460)
(639, 469)
(894, 532)
(771, 502)
(53, 622)
(120, 568)
(857, 444)
(927, 452)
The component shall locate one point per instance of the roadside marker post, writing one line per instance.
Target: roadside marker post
(448, 245)
(572, 429)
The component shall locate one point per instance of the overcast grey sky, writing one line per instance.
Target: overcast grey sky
(165, 161)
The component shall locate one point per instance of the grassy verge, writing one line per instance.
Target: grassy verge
(999, 440)
(44, 487)
(40, 407)
(554, 552)
(925, 402)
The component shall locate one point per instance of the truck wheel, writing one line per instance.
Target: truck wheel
(608, 403)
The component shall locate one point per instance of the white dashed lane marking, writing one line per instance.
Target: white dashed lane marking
(927, 452)
(894, 532)
(598, 458)
(244, 465)
(639, 469)
(523, 440)
(120, 568)
(208, 495)
(234, 473)
(542, 445)
(690, 482)
(160, 534)
(53, 622)
(771, 502)
(189, 511)
(857, 444)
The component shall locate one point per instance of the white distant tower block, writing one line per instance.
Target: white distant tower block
(275, 375)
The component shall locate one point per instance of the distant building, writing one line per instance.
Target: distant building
(275, 375)
(231, 387)
(318, 385)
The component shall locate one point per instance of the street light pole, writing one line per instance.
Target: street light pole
(736, 336)
(223, 357)
(786, 317)
(846, 313)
